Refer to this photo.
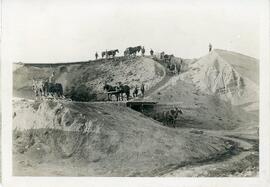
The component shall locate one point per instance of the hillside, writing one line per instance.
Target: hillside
(231, 76)
(84, 139)
(89, 76)
(197, 91)
(201, 110)
(217, 134)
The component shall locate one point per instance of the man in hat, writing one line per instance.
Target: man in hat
(151, 52)
(210, 47)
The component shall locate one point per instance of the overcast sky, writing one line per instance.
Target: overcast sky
(63, 30)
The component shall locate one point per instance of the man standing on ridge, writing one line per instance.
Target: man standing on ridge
(151, 52)
(143, 51)
(210, 47)
(96, 55)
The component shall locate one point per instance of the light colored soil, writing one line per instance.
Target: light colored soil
(92, 75)
(120, 142)
(213, 137)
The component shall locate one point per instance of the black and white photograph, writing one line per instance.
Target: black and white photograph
(165, 89)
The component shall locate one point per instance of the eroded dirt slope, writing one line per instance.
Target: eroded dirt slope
(197, 91)
(231, 76)
(89, 76)
(76, 139)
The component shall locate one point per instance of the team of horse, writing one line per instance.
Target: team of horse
(171, 65)
(129, 52)
(132, 51)
(118, 91)
(109, 54)
(45, 88)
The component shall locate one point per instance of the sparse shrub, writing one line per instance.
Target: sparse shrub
(63, 69)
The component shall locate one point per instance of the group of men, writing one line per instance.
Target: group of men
(136, 90)
(143, 51)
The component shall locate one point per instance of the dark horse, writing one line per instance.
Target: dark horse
(172, 115)
(132, 50)
(168, 58)
(124, 89)
(53, 88)
(112, 90)
(103, 53)
(110, 53)
(168, 117)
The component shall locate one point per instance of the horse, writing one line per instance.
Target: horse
(124, 89)
(168, 58)
(112, 90)
(53, 88)
(112, 53)
(103, 53)
(172, 68)
(38, 87)
(162, 55)
(132, 50)
(168, 117)
(174, 113)
(126, 52)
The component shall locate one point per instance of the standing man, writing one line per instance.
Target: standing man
(135, 92)
(143, 51)
(52, 78)
(210, 47)
(142, 89)
(151, 52)
(96, 55)
(119, 85)
(178, 68)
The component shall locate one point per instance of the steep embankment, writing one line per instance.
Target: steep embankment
(89, 77)
(76, 139)
(231, 76)
(197, 91)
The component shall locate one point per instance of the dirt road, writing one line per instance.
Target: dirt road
(242, 162)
